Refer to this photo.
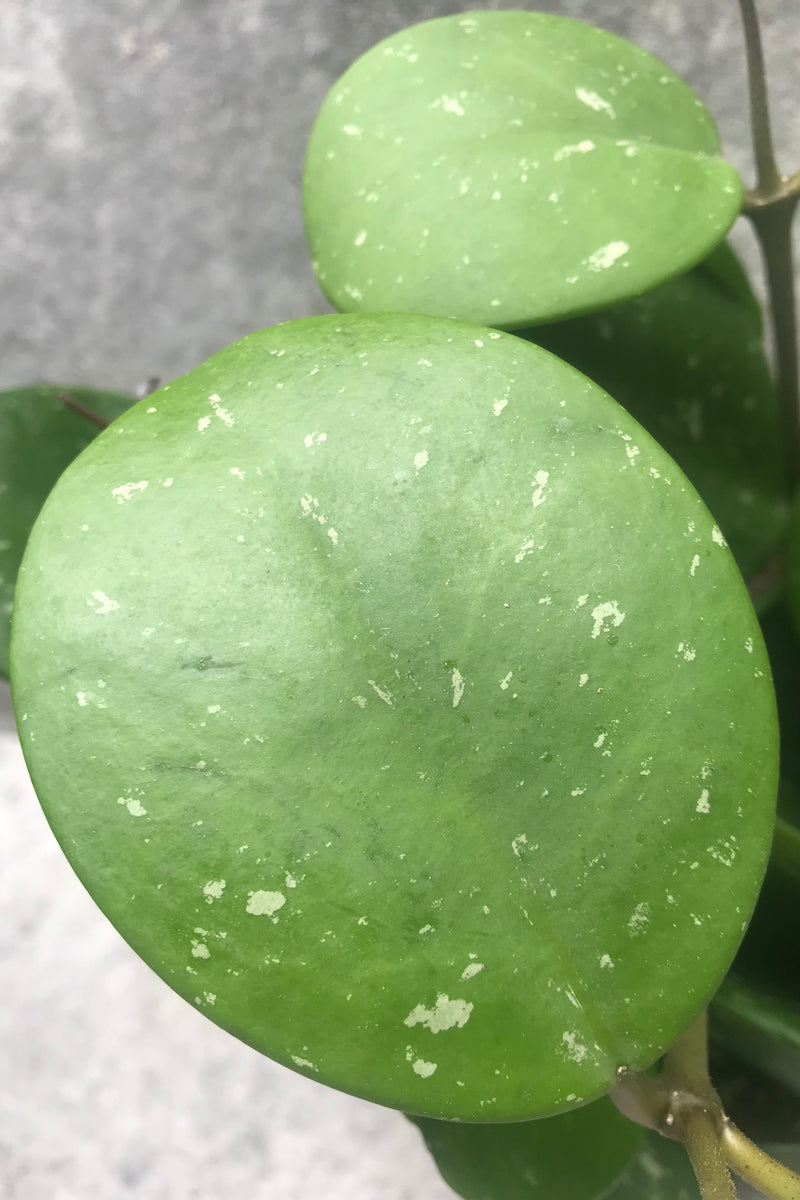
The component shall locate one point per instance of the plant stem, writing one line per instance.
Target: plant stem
(769, 178)
(69, 401)
(771, 207)
(757, 1168)
(697, 1117)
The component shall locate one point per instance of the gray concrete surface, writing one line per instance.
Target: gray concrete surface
(150, 160)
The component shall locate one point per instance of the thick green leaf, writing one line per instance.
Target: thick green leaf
(510, 168)
(422, 712)
(576, 1155)
(660, 1171)
(763, 1029)
(687, 360)
(39, 437)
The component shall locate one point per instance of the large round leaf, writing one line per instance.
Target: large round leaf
(687, 360)
(398, 699)
(510, 167)
(39, 437)
(660, 1171)
(573, 1156)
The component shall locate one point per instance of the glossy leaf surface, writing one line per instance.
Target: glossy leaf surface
(687, 360)
(422, 712)
(510, 168)
(39, 437)
(572, 1156)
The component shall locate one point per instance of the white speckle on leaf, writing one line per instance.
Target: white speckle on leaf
(632, 452)
(449, 104)
(609, 610)
(200, 949)
(304, 1062)
(213, 708)
(748, 645)
(519, 844)
(314, 439)
(134, 807)
(592, 100)
(686, 651)
(385, 695)
(576, 148)
(584, 679)
(506, 680)
(421, 459)
(82, 699)
(360, 238)
(499, 405)
(695, 564)
(458, 683)
(124, 492)
(639, 918)
(525, 549)
(334, 536)
(582, 600)
(361, 701)
(426, 929)
(716, 536)
(574, 1049)
(223, 414)
(352, 130)
(540, 481)
(213, 890)
(203, 424)
(606, 962)
(605, 256)
(471, 970)
(423, 1068)
(237, 471)
(264, 904)
(445, 1014)
(102, 604)
(703, 804)
(599, 740)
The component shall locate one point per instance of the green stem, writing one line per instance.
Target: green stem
(771, 1178)
(701, 1138)
(771, 207)
(769, 178)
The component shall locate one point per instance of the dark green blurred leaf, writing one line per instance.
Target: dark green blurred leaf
(575, 1156)
(39, 437)
(660, 1171)
(687, 361)
(760, 1028)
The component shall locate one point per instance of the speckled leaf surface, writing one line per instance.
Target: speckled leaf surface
(510, 168)
(687, 360)
(39, 437)
(575, 1155)
(407, 713)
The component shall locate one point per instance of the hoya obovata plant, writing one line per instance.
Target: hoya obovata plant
(392, 688)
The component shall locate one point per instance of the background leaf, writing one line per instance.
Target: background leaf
(408, 745)
(39, 437)
(660, 1171)
(510, 168)
(687, 360)
(573, 1156)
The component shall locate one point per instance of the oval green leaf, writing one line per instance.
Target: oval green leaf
(510, 168)
(572, 1156)
(39, 437)
(687, 360)
(422, 712)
